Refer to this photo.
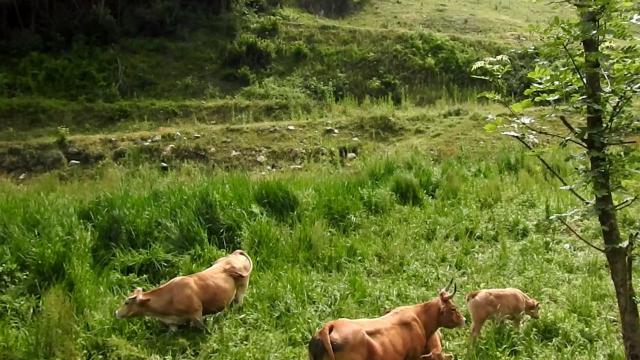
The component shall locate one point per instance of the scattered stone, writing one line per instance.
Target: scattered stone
(139, 142)
(73, 151)
(355, 139)
(351, 156)
(156, 138)
(567, 246)
(74, 162)
(295, 167)
(261, 159)
(197, 136)
(212, 149)
(291, 127)
(168, 150)
(331, 131)
(22, 176)
(178, 135)
(164, 166)
(113, 140)
(235, 153)
(226, 140)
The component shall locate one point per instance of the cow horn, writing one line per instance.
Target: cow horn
(448, 286)
(455, 290)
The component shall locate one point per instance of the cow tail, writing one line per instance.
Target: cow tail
(472, 295)
(321, 344)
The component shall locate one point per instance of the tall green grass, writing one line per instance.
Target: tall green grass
(330, 242)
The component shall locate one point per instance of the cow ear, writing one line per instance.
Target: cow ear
(142, 300)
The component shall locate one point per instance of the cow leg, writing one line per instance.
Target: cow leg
(198, 322)
(476, 327)
(516, 322)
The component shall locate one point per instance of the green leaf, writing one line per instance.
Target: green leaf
(490, 127)
(522, 105)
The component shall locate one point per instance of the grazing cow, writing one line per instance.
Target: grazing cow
(399, 335)
(188, 298)
(434, 346)
(507, 303)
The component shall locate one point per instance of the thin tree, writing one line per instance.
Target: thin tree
(588, 74)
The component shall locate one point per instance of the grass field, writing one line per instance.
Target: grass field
(354, 242)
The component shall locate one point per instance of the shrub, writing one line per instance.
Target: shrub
(277, 199)
(407, 189)
(377, 201)
(250, 51)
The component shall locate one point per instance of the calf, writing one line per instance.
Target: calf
(401, 334)
(188, 298)
(501, 303)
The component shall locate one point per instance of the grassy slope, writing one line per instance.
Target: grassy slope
(352, 249)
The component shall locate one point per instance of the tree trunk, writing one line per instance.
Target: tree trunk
(617, 252)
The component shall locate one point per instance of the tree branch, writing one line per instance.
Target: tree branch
(626, 203)
(551, 170)
(542, 132)
(618, 107)
(576, 69)
(580, 236)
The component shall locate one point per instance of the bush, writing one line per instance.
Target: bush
(407, 189)
(377, 201)
(250, 51)
(277, 199)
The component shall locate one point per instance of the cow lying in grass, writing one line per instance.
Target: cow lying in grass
(401, 334)
(508, 303)
(188, 298)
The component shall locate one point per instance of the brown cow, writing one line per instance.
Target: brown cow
(188, 298)
(399, 335)
(507, 303)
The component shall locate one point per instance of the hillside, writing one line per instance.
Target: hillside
(340, 143)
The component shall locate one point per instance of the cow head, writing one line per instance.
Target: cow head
(437, 356)
(532, 307)
(450, 316)
(133, 305)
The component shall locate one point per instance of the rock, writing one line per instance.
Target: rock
(355, 139)
(73, 151)
(291, 127)
(74, 162)
(168, 150)
(22, 176)
(156, 138)
(261, 159)
(119, 153)
(226, 140)
(197, 136)
(351, 156)
(178, 135)
(295, 167)
(235, 153)
(212, 149)
(164, 166)
(113, 140)
(567, 246)
(331, 131)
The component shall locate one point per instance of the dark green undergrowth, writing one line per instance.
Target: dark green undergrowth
(327, 242)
